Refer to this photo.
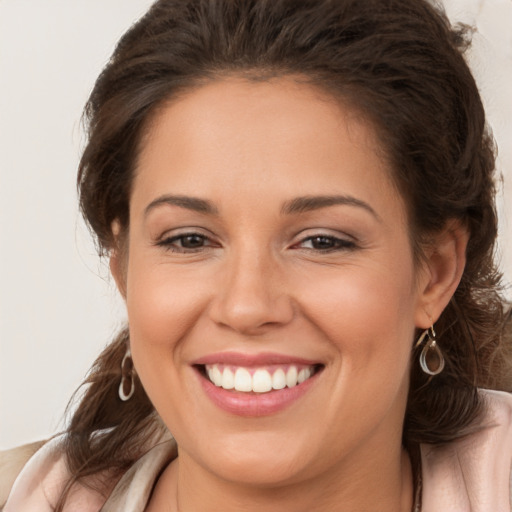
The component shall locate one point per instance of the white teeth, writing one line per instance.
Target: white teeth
(243, 380)
(304, 374)
(228, 379)
(291, 377)
(215, 376)
(261, 380)
(279, 379)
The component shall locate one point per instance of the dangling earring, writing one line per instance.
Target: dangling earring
(429, 350)
(127, 385)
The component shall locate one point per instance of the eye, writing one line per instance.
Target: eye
(326, 243)
(186, 242)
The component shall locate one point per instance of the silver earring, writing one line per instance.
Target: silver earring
(127, 385)
(430, 352)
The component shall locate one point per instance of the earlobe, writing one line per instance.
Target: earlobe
(117, 261)
(443, 266)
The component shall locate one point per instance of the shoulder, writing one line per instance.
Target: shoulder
(11, 464)
(499, 407)
(473, 473)
(40, 483)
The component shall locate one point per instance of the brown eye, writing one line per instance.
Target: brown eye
(326, 243)
(193, 241)
(186, 242)
(323, 242)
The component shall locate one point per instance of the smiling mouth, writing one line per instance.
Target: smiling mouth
(258, 379)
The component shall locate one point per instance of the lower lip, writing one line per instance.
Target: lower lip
(255, 404)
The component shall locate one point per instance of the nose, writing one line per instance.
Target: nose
(252, 295)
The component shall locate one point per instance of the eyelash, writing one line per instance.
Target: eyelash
(337, 244)
(170, 243)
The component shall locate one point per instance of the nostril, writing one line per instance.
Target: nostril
(251, 315)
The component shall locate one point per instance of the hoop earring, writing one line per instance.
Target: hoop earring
(127, 385)
(430, 348)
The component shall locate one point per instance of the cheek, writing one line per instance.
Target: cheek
(366, 313)
(367, 317)
(163, 305)
(162, 312)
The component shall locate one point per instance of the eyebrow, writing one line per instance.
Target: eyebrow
(293, 206)
(310, 203)
(190, 203)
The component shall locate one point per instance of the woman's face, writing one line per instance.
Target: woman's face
(268, 245)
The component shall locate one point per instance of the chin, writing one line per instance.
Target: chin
(259, 470)
(252, 458)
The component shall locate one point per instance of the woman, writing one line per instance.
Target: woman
(297, 200)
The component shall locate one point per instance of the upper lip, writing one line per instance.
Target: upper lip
(249, 360)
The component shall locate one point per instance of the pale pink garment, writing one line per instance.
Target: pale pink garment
(470, 475)
(474, 473)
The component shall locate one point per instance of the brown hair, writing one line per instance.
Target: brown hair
(401, 65)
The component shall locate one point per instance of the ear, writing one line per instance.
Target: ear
(442, 268)
(118, 258)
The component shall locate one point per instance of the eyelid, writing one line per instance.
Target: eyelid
(169, 237)
(344, 241)
(341, 241)
(183, 231)
(327, 232)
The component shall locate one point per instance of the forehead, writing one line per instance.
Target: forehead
(276, 137)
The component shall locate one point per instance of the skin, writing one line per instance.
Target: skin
(258, 281)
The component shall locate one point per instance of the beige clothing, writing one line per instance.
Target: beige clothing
(11, 464)
(472, 474)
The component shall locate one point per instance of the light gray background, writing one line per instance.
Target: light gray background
(58, 307)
